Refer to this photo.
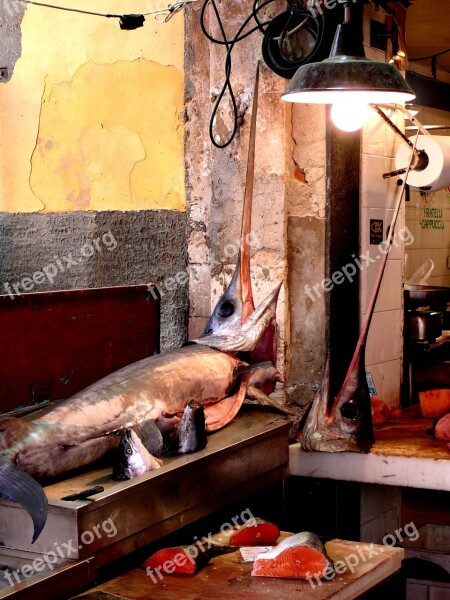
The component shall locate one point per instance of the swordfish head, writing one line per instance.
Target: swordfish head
(248, 336)
(236, 303)
(346, 425)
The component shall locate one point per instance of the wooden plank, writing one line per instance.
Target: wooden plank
(56, 343)
(228, 577)
(407, 436)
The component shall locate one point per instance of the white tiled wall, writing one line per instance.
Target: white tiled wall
(378, 199)
(430, 243)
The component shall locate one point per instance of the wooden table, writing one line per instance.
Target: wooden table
(228, 577)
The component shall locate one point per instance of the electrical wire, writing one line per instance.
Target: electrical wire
(295, 14)
(229, 45)
(77, 10)
(430, 56)
(442, 67)
(166, 13)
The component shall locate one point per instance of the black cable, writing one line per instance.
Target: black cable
(237, 38)
(255, 10)
(430, 56)
(229, 44)
(442, 67)
(77, 10)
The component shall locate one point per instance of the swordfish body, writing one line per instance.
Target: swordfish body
(83, 428)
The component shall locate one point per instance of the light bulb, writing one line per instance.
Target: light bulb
(349, 115)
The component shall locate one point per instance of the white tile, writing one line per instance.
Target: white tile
(437, 280)
(393, 140)
(415, 591)
(368, 214)
(392, 373)
(390, 295)
(373, 136)
(439, 591)
(387, 379)
(385, 340)
(373, 186)
(412, 212)
(446, 261)
(433, 238)
(437, 256)
(415, 199)
(376, 529)
(415, 234)
(377, 500)
(414, 262)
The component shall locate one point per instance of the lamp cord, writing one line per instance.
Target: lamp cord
(229, 45)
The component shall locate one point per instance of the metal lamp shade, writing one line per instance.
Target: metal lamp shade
(337, 77)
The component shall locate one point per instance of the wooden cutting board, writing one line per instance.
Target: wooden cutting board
(228, 577)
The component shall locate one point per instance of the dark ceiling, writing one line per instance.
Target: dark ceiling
(428, 32)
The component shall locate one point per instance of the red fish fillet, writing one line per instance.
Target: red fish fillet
(255, 532)
(184, 560)
(301, 555)
(172, 560)
(381, 412)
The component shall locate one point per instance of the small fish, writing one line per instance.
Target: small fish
(133, 458)
(192, 428)
(299, 556)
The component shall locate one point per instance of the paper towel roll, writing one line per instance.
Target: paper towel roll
(436, 176)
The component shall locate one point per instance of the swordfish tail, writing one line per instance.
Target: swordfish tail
(18, 486)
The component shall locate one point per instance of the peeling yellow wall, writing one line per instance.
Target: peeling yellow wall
(92, 116)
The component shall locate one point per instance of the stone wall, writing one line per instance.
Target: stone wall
(288, 200)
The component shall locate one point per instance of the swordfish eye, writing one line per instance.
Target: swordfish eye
(351, 410)
(226, 309)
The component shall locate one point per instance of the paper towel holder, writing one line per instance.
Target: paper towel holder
(420, 160)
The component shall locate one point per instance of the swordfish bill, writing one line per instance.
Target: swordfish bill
(347, 424)
(236, 305)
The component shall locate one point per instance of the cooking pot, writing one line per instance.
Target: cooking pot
(421, 295)
(424, 325)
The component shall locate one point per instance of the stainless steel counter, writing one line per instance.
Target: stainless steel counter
(248, 454)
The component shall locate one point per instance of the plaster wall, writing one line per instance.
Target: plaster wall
(91, 114)
(288, 200)
(91, 142)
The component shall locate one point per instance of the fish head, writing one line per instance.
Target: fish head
(192, 428)
(232, 307)
(344, 424)
(245, 337)
(133, 458)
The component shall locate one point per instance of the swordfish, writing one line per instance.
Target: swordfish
(211, 370)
